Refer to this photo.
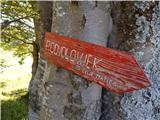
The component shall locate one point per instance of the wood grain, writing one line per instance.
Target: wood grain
(115, 70)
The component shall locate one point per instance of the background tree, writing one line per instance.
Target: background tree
(19, 31)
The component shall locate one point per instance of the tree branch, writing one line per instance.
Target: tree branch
(7, 22)
(22, 22)
(30, 43)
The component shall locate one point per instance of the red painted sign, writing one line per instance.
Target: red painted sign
(115, 70)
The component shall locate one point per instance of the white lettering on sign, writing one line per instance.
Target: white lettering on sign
(52, 47)
(96, 61)
(73, 56)
(116, 70)
(81, 58)
(87, 63)
(89, 60)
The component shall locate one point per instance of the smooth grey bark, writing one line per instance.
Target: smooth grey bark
(97, 28)
(70, 97)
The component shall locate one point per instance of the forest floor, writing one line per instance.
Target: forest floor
(14, 81)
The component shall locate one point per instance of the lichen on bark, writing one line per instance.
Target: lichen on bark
(144, 104)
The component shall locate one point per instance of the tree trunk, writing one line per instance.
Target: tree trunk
(56, 94)
(74, 97)
(36, 83)
(138, 25)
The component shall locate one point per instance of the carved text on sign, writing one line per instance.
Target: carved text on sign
(115, 70)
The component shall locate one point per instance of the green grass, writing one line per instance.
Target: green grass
(14, 81)
(14, 110)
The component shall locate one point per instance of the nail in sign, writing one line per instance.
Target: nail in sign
(115, 70)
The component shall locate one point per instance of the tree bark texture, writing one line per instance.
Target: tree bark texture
(56, 94)
(139, 29)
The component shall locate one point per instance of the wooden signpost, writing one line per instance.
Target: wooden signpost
(115, 70)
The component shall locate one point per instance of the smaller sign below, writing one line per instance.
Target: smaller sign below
(115, 70)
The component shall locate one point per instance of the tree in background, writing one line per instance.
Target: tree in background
(19, 30)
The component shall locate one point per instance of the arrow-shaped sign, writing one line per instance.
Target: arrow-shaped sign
(112, 69)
